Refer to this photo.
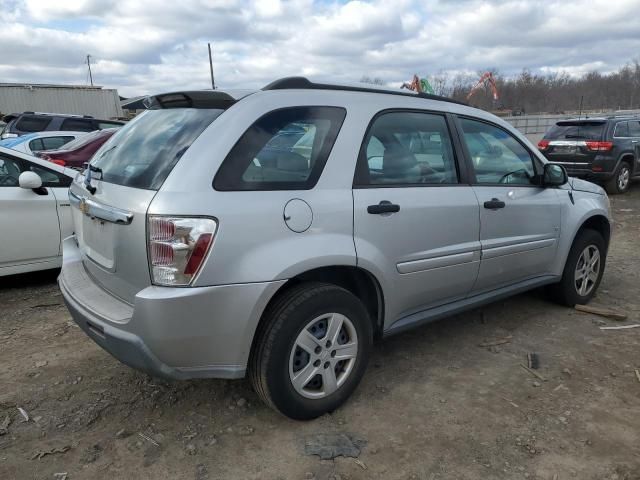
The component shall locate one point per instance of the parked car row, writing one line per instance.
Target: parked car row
(30, 122)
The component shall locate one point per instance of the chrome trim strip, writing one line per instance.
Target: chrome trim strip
(437, 262)
(93, 209)
(488, 253)
(571, 163)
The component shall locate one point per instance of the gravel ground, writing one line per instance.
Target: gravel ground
(440, 402)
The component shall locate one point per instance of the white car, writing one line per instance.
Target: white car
(38, 141)
(34, 212)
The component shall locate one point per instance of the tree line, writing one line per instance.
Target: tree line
(529, 92)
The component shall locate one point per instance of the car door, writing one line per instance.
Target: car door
(519, 220)
(29, 229)
(415, 221)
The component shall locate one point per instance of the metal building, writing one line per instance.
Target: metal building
(98, 102)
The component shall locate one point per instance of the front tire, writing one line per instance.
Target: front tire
(311, 350)
(621, 179)
(583, 271)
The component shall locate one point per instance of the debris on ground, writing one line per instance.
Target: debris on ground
(637, 374)
(331, 445)
(4, 426)
(42, 363)
(24, 414)
(361, 464)
(510, 402)
(43, 453)
(149, 439)
(91, 454)
(603, 312)
(60, 476)
(621, 327)
(533, 361)
(533, 372)
(496, 342)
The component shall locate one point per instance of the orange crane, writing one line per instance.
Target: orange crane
(485, 79)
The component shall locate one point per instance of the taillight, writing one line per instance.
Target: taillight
(543, 144)
(178, 247)
(57, 161)
(596, 146)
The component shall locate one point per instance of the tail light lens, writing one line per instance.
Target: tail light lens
(543, 144)
(178, 247)
(57, 161)
(596, 146)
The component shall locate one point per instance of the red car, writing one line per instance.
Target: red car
(79, 151)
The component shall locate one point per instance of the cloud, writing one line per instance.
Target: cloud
(146, 46)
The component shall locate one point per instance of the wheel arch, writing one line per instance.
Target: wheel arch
(600, 224)
(360, 282)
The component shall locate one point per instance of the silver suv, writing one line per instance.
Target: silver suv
(276, 233)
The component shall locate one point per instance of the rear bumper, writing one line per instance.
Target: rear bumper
(176, 333)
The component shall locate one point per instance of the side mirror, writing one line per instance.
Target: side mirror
(554, 175)
(29, 180)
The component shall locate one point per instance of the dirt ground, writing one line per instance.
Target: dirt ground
(435, 403)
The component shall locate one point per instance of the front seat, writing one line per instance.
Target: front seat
(400, 165)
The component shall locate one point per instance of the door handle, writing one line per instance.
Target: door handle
(385, 206)
(494, 204)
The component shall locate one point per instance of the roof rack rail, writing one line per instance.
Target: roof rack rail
(303, 83)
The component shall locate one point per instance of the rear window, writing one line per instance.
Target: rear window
(83, 140)
(142, 153)
(284, 150)
(576, 129)
(31, 123)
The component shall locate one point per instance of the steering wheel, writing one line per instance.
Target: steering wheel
(507, 175)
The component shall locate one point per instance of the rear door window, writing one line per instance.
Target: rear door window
(102, 125)
(52, 143)
(284, 150)
(77, 125)
(32, 123)
(142, 153)
(621, 130)
(407, 148)
(576, 129)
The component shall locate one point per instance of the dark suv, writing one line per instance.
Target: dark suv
(29, 122)
(603, 150)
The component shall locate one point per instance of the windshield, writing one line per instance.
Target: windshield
(576, 129)
(142, 153)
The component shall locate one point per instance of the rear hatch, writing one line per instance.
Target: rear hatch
(574, 141)
(111, 198)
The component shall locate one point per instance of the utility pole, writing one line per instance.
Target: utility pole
(580, 111)
(213, 83)
(89, 65)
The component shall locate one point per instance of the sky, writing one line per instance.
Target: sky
(150, 46)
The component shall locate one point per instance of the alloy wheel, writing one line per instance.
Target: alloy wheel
(587, 270)
(323, 355)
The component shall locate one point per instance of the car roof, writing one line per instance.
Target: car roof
(38, 161)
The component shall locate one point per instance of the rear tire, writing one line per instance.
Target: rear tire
(583, 270)
(621, 179)
(311, 351)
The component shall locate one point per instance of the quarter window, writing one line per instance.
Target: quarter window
(496, 155)
(407, 148)
(284, 150)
